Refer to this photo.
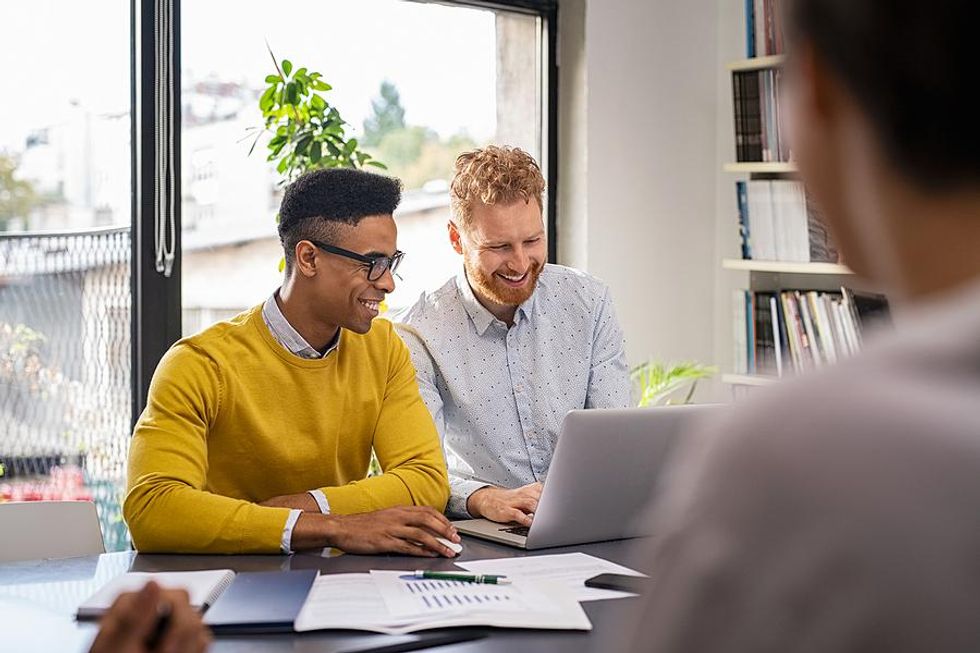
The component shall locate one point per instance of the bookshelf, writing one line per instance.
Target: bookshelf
(789, 310)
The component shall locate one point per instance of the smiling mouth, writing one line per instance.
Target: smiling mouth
(372, 305)
(515, 279)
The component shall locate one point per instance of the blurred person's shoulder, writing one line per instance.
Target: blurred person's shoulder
(913, 389)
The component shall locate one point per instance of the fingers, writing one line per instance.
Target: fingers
(525, 504)
(426, 540)
(515, 515)
(397, 545)
(533, 490)
(186, 632)
(128, 621)
(433, 521)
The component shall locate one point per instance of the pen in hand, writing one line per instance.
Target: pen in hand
(164, 613)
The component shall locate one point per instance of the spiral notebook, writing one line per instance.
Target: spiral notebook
(203, 588)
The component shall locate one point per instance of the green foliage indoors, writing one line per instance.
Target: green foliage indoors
(657, 381)
(307, 131)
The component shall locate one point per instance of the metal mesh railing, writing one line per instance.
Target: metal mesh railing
(65, 369)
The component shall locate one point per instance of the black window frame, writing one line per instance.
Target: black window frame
(156, 315)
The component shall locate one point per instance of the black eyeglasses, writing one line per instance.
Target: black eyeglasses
(377, 265)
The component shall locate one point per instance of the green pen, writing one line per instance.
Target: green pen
(488, 579)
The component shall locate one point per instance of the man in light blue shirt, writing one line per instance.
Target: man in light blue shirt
(506, 348)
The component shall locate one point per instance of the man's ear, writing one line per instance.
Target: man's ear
(304, 258)
(454, 237)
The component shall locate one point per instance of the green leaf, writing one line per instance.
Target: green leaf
(287, 67)
(300, 73)
(291, 95)
(322, 86)
(281, 168)
(303, 144)
(272, 79)
(377, 164)
(282, 261)
(315, 153)
(318, 103)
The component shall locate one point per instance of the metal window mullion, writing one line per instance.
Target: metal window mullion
(156, 175)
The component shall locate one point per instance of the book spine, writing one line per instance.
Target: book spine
(811, 336)
(764, 115)
(739, 332)
(750, 330)
(752, 113)
(750, 28)
(760, 27)
(793, 330)
(744, 227)
(776, 340)
(738, 107)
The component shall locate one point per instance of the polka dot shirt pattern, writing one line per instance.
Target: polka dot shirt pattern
(497, 394)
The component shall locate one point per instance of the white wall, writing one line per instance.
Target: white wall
(640, 176)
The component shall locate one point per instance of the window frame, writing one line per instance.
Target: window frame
(156, 314)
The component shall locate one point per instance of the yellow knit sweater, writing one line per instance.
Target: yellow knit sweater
(234, 419)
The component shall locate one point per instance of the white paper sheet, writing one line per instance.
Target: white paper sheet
(356, 601)
(407, 596)
(569, 569)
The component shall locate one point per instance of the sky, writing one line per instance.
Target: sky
(53, 52)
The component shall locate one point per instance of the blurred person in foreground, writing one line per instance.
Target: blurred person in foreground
(839, 512)
(132, 624)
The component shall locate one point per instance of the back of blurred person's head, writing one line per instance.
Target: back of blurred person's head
(878, 116)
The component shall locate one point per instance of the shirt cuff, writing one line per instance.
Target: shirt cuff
(286, 544)
(460, 491)
(321, 501)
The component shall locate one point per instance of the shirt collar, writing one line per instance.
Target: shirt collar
(483, 318)
(289, 337)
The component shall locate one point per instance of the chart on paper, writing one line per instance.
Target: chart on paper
(405, 595)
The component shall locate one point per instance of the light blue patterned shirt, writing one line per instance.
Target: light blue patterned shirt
(498, 395)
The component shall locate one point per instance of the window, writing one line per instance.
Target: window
(417, 83)
(65, 215)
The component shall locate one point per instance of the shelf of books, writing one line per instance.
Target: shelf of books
(798, 312)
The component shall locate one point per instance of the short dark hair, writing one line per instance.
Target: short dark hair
(318, 201)
(909, 64)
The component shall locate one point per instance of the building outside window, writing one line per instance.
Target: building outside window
(65, 215)
(417, 83)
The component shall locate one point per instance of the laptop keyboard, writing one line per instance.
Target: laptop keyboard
(517, 530)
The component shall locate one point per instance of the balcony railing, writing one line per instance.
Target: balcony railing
(65, 369)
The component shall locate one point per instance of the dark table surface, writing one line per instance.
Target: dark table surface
(38, 599)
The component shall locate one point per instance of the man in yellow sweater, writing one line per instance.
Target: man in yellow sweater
(257, 434)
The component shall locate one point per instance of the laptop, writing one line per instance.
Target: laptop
(603, 472)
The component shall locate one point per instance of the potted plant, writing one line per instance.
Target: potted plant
(657, 382)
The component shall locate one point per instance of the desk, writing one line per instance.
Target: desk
(38, 599)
